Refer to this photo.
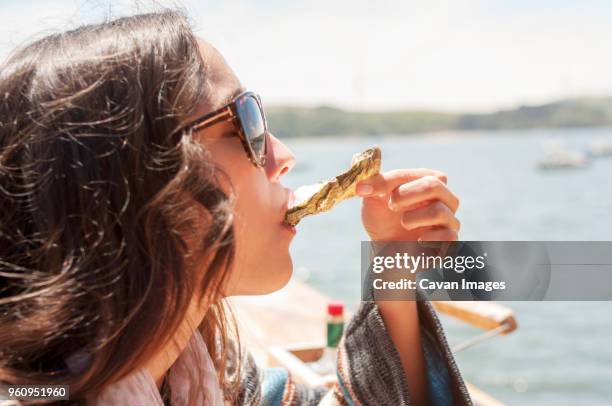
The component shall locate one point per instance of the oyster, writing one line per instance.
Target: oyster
(323, 196)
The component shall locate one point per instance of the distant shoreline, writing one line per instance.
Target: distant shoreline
(448, 134)
(329, 121)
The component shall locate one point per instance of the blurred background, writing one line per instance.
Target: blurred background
(512, 99)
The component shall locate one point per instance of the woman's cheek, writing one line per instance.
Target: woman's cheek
(252, 216)
(260, 245)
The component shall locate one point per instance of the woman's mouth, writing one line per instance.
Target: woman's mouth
(289, 228)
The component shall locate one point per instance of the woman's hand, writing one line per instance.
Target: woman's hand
(409, 204)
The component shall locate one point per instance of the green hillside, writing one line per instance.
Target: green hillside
(318, 121)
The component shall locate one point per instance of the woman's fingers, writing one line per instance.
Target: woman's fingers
(436, 214)
(440, 234)
(410, 194)
(384, 182)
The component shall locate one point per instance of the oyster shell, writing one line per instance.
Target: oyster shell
(323, 196)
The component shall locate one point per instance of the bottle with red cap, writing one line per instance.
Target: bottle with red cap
(335, 323)
(326, 365)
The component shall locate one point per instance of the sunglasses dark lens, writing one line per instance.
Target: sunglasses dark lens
(253, 124)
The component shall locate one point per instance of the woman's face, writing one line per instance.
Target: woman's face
(262, 263)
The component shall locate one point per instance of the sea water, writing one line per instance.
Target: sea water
(560, 354)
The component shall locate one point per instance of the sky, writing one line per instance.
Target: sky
(455, 55)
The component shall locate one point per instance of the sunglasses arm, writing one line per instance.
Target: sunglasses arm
(225, 115)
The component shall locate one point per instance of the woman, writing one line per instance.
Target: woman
(139, 188)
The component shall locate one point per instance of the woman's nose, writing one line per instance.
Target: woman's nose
(280, 159)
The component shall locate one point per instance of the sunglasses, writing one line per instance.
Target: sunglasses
(246, 112)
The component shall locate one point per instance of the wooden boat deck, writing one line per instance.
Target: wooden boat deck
(294, 317)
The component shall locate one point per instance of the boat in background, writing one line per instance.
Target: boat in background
(558, 156)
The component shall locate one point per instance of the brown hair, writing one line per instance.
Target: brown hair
(98, 189)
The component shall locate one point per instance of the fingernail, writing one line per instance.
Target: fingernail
(364, 190)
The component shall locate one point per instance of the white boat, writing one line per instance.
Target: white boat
(560, 157)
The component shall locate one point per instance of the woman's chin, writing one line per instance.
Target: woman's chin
(279, 278)
(267, 279)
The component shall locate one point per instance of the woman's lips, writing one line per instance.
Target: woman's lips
(290, 228)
